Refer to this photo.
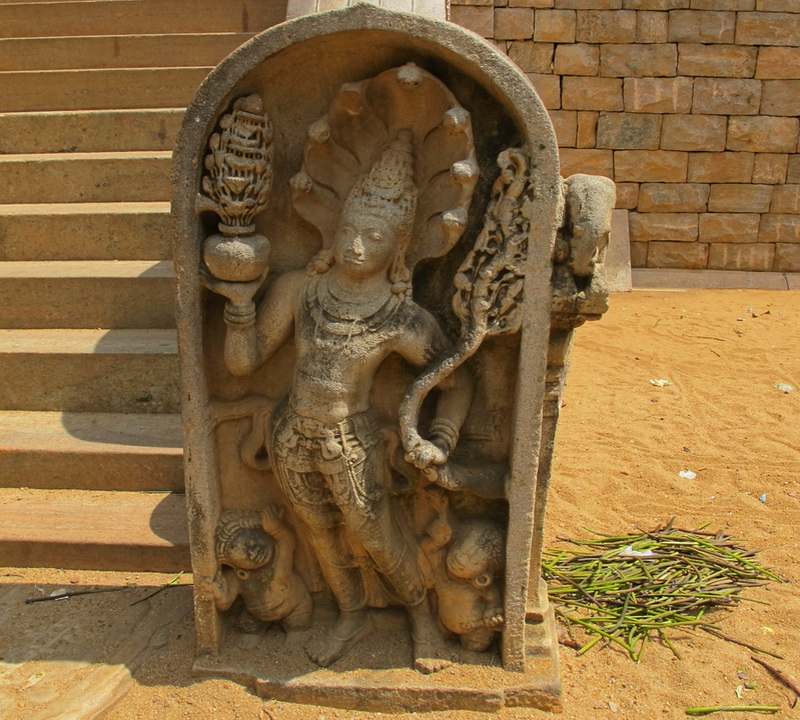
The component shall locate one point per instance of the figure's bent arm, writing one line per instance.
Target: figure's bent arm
(254, 336)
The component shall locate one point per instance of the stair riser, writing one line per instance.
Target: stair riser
(117, 52)
(91, 471)
(138, 18)
(98, 131)
(89, 383)
(99, 89)
(138, 302)
(108, 236)
(85, 180)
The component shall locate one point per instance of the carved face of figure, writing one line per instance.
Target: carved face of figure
(365, 245)
(249, 549)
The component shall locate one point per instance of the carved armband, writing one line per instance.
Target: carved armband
(240, 315)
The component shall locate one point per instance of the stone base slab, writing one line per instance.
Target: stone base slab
(375, 676)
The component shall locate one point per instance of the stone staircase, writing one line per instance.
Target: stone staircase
(92, 93)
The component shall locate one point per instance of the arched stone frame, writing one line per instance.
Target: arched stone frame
(281, 63)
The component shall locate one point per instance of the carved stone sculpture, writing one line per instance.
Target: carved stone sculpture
(367, 392)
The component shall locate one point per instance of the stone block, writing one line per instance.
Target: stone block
(779, 228)
(737, 5)
(651, 26)
(532, 57)
(685, 256)
(548, 87)
(513, 23)
(587, 129)
(741, 256)
(723, 96)
(776, 5)
(577, 59)
(565, 123)
(729, 227)
(694, 132)
(657, 60)
(606, 26)
(627, 195)
(770, 168)
(701, 26)
(724, 167)
(767, 28)
(629, 131)
(778, 63)
(673, 197)
(658, 95)
(787, 257)
(589, 4)
(554, 26)
(592, 93)
(655, 4)
(591, 162)
(650, 166)
(745, 198)
(671, 227)
(531, 3)
(478, 19)
(793, 169)
(781, 97)
(758, 133)
(786, 199)
(488, 3)
(716, 60)
(639, 254)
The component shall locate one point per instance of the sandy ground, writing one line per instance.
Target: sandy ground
(621, 444)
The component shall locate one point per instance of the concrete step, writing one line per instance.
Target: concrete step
(168, 87)
(104, 17)
(89, 130)
(141, 176)
(85, 231)
(116, 371)
(91, 451)
(87, 294)
(86, 530)
(118, 51)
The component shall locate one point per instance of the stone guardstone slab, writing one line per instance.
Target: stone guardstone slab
(379, 274)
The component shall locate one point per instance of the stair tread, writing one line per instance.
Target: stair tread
(91, 433)
(86, 208)
(86, 269)
(96, 342)
(83, 156)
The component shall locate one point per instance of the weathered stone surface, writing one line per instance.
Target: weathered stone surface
(532, 57)
(673, 197)
(627, 195)
(587, 129)
(639, 254)
(658, 95)
(722, 96)
(593, 162)
(767, 28)
(554, 26)
(776, 5)
(672, 227)
(606, 26)
(577, 59)
(787, 257)
(532, 3)
(732, 198)
(779, 228)
(770, 168)
(592, 93)
(716, 60)
(705, 133)
(793, 169)
(786, 199)
(638, 60)
(589, 4)
(778, 63)
(781, 97)
(513, 23)
(548, 87)
(725, 167)
(741, 256)
(654, 4)
(650, 166)
(651, 26)
(629, 131)
(729, 227)
(478, 19)
(688, 256)
(701, 26)
(739, 5)
(763, 134)
(565, 123)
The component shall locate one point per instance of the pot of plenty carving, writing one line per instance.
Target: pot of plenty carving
(236, 258)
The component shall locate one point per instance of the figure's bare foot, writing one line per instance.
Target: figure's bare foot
(430, 649)
(345, 633)
(430, 657)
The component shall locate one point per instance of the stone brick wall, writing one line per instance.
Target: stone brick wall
(689, 105)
